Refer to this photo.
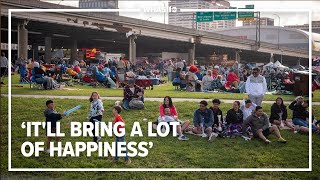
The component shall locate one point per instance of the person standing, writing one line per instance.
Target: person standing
(96, 112)
(256, 87)
(117, 118)
(170, 68)
(4, 67)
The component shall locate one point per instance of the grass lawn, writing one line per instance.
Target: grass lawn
(158, 91)
(167, 152)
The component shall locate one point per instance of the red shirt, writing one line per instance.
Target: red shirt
(77, 69)
(173, 111)
(232, 77)
(118, 118)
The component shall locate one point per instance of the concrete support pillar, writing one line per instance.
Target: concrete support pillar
(47, 55)
(132, 49)
(35, 49)
(192, 52)
(22, 41)
(74, 52)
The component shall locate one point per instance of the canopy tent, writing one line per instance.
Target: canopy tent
(269, 65)
(298, 67)
(277, 64)
(57, 54)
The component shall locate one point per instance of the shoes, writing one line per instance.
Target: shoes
(267, 141)
(183, 138)
(98, 139)
(154, 126)
(212, 137)
(163, 130)
(128, 161)
(124, 108)
(204, 135)
(281, 140)
(296, 129)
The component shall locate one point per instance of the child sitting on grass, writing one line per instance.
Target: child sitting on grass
(167, 118)
(117, 118)
(51, 116)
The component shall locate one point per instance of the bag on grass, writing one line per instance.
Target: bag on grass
(136, 104)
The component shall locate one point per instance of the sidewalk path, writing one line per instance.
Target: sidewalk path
(120, 98)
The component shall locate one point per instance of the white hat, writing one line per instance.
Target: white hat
(216, 67)
(36, 64)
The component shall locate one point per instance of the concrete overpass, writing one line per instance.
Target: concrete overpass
(71, 29)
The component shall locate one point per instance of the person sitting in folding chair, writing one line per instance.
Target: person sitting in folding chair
(38, 77)
(23, 73)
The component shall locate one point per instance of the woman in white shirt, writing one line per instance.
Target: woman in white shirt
(207, 80)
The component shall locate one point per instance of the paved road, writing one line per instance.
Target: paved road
(120, 98)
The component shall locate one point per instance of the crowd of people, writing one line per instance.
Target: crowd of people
(245, 119)
(229, 79)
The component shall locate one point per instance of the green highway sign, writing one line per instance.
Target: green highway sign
(204, 16)
(246, 14)
(251, 6)
(225, 15)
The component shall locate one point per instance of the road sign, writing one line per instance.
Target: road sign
(246, 19)
(204, 16)
(246, 14)
(225, 15)
(251, 6)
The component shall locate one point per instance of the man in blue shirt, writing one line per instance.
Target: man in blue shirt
(203, 121)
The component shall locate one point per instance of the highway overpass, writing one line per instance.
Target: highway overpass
(83, 29)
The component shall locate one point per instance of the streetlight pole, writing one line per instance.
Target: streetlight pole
(278, 30)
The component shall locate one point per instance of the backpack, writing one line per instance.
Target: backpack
(136, 104)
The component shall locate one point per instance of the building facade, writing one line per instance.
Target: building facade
(98, 4)
(315, 27)
(188, 19)
(264, 21)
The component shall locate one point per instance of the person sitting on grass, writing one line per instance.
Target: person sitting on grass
(259, 124)
(168, 118)
(247, 108)
(51, 116)
(207, 81)
(279, 114)
(167, 102)
(300, 115)
(130, 92)
(203, 121)
(233, 79)
(234, 119)
(217, 115)
(117, 118)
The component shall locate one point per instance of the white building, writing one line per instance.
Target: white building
(188, 19)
